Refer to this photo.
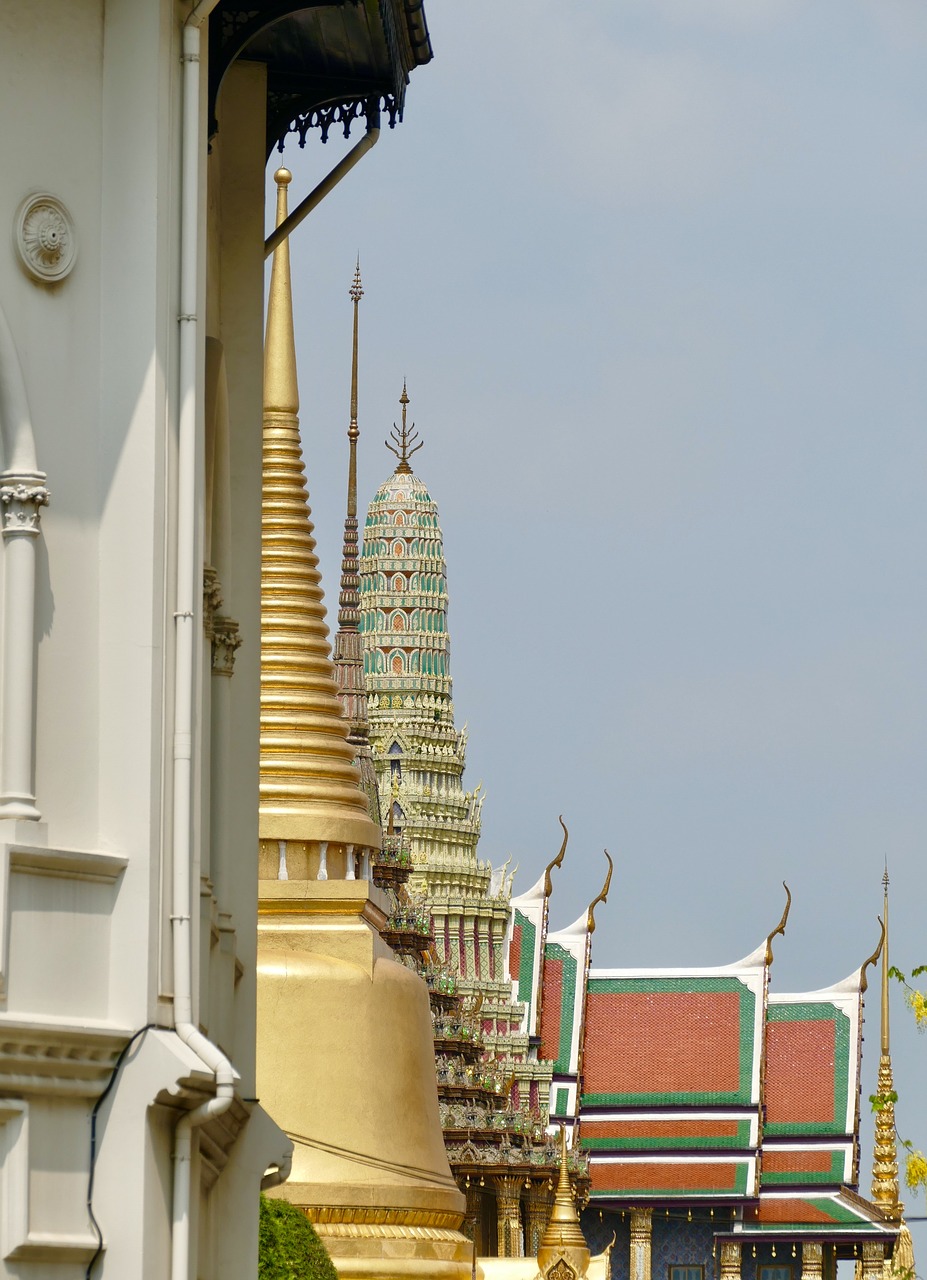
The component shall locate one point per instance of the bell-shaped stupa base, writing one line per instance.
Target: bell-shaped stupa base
(346, 1067)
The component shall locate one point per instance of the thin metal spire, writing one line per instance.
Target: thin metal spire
(349, 598)
(886, 1047)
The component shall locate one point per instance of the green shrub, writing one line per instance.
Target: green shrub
(288, 1247)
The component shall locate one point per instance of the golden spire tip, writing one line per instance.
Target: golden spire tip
(283, 177)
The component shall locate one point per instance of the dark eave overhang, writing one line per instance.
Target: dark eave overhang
(327, 62)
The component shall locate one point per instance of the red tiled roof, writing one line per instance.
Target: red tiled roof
(797, 1161)
(800, 1060)
(663, 1042)
(551, 1009)
(515, 952)
(666, 1177)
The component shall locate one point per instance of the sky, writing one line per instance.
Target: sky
(655, 272)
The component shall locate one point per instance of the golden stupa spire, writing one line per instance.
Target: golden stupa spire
(404, 437)
(563, 1237)
(885, 1149)
(309, 785)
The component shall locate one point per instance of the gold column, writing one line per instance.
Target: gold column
(538, 1204)
(873, 1259)
(812, 1260)
(508, 1211)
(641, 1239)
(730, 1260)
(471, 1218)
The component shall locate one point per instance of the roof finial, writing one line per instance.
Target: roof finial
(602, 897)
(885, 1149)
(557, 862)
(403, 437)
(780, 927)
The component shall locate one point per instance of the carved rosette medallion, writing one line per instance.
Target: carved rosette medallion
(45, 238)
(21, 504)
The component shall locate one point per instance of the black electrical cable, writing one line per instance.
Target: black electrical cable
(376, 1162)
(98, 1231)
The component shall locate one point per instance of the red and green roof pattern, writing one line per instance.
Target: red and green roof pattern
(831, 1215)
(671, 1041)
(671, 1179)
(558, 1012)
(811, 1067)
(673, 1097)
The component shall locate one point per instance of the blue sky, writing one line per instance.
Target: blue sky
(656, 274)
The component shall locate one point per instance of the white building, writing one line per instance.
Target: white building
(131, 278)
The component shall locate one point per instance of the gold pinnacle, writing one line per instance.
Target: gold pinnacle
(309, 787)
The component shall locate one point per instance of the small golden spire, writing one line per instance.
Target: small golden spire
(885, 1147)
(602, 897)
(281, 393)
(563, 1237)
(309, 787)
(403, 437)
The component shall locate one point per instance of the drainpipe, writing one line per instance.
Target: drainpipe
(22, 496)
(184, 650)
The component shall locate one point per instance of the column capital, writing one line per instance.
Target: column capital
(21, 498)
(226, 640)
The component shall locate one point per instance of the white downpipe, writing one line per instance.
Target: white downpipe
(185, 648)
(22, 495)
(279, 1171)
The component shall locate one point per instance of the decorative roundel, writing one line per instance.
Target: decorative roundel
(45, 238)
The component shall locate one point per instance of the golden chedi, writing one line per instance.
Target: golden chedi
(563, 1253)
(345, 1058)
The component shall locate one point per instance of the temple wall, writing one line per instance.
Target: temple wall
(90, 96)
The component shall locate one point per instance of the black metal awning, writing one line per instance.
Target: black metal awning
(327, 62)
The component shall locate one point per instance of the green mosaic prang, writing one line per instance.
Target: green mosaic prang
(808, 1011)
(737, 1188)
(734, 1142)
(747, 1041)
(554, 951)
(526, 958)
(789, 1178)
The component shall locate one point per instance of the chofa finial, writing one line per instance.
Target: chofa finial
(403, 437)
(557, 862)
(602, 897)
